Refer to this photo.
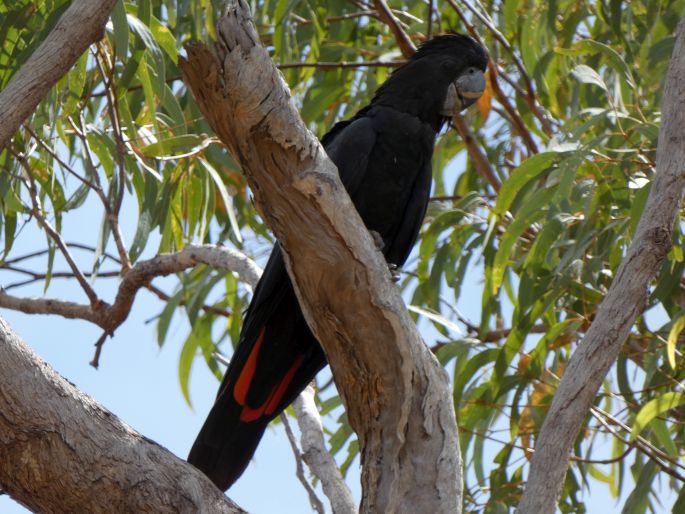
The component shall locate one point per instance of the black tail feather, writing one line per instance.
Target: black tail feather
(225, 462)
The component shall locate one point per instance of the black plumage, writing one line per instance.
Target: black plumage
(383, 156)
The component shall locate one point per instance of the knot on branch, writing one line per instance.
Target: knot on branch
(313, 182)
(660, 237)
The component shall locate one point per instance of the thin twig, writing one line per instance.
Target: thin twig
(334, 19)
(37, 212)
(112, 217)
(38, 253)
(479, 159)
(314, 500)
(56, 156)
(342, 64)
(401, 37)
(209, 309)
(98, 350)
(36, 277)
(651, 451)
(113, 111)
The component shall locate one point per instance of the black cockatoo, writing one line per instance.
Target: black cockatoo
(383, 155)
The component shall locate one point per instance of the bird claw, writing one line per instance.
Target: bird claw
(394, 272)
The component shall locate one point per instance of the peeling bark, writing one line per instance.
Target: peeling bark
(396, 394)
(624, 301)
(62, 452)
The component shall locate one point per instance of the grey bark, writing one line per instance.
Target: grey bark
(82, 24)
(62, 452)
(318, 458)
(396, 394)
(624, 301)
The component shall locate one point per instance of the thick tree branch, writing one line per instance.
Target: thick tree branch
(625, 300)
(396, 394)
(80, 26)
(55, 439)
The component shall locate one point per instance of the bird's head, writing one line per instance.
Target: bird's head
(444, 77)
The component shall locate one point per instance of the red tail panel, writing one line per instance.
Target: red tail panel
(242, 385)
(277, 395)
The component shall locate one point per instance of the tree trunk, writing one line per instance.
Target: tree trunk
(625, 300)
(397, 396)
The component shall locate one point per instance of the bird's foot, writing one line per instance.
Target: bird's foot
(394, 272)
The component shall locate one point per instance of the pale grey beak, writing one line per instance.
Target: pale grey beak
(463, 92)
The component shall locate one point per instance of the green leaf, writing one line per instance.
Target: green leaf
(676, 329)
(146, 36)
(590, 46)
(10, 231)
(352, 452)
(654, 408)
(658, 426)
(587, 75)
(175, 147)
(528, 215)
(679, 505)
(436, 317)
(638, 500)
(200, 331)
(225, 198)
(529, 169)
(166, 316)
(120, 26)
(164, 38)
(142, 234)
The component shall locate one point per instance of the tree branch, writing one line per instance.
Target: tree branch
(37, 212)
(401, 37)
(54, 438)
(109, 317)
(624, 301)
(314, 500)
(478, 157)
(336, 65)
(396, 394)
(82, 24)
(318, 458)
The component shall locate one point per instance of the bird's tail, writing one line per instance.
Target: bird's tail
(262, 379)
(223, 463)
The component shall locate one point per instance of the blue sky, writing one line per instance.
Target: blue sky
(138, 381)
